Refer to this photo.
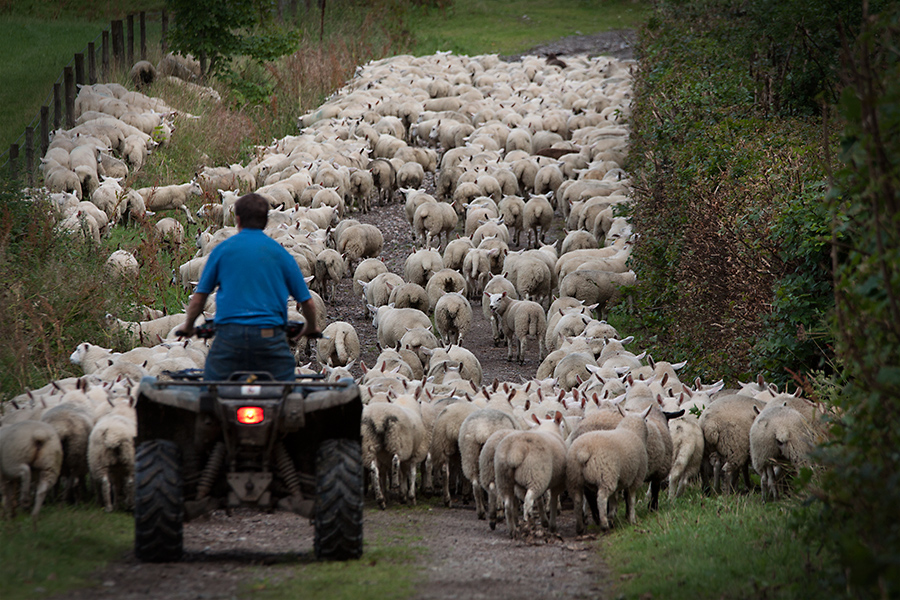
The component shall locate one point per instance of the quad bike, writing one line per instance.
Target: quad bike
(249, 441)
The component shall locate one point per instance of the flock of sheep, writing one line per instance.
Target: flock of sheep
(511, 147)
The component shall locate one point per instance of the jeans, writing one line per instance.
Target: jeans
(243, 348)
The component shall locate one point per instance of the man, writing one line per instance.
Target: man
(255, 276)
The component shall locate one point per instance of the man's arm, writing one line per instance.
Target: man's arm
(310, 328)
(195, 307)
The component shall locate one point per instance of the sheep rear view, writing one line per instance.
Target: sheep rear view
(29, 450)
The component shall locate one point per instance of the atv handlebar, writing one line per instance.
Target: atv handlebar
(207, 330)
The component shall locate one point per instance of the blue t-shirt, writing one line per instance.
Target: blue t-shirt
(254, 275)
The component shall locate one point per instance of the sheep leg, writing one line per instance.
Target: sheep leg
(522, 346)
(654, 494)
(578, 505)
(602, 497)
(510, 507)
(190, 218)
(630, 504)
(411, 484)
(427, 482)
(554, 509)
(23, 474)
(445, 475)
(44, 485)
(395, 475)
(106, 491)
(492, 506)
(528, 506)
(376, 483)
(478, 492)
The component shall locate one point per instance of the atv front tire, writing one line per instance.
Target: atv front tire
(158, 502)
(339, 500)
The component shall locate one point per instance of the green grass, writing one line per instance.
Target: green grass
(66, 547)
(478, 26)
(35, 53)
(711, 547)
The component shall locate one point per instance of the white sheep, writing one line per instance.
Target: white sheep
(421, 265)
(453, 318)
(537, 219)
(28, 450)
(527, 464)
(520, 320)
(443, 282)
(779, 434)
(726, 427)
(360, 241)
(171, 197)
(122, 263)
(473, 434)
(111, 459)
(365, 272)
(73, 423)
(339, 345)
(392, 323)
(610, 461)
(170, 230)
(434, 220)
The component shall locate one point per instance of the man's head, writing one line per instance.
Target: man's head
(252, 210)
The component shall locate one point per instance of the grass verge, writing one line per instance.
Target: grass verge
(712, 547)
(61, 552)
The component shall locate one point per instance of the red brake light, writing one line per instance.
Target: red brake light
(250, 415)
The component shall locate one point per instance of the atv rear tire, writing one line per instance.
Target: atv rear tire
(158, 502)
(339, 500)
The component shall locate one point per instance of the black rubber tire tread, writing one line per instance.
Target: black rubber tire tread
(339, 500)
(158, 502)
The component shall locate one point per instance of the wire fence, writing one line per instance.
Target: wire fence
(116, 55)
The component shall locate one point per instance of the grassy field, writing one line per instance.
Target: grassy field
(35, 51)
(479, 27)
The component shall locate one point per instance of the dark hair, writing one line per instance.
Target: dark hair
(253, 210)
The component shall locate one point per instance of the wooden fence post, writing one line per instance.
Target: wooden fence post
(92, 63)
(57, 105)
(143, 23)
(118, 42)
(69, 84)
(129, 47)
(104, 54)
(13, 158)
(45, 129)
(164, 44)
(29, 155)
(79, 68)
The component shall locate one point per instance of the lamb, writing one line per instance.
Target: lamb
(443, 282)
(171, 197)
(360, 241)
(410, 295)
(393, 433)
(73, 424)
(596, 287)
(122, 263)
(486, 475)
(537, 219)
(392, 323)
(421, 265)
(378, 291)
(476, 269)
(111, 459)
(455, 253)
(330, 268)
(28, 449)
(170, 230)
(445, 442)
(366, 271)
(339, 345)
(473, 434)
(519, 321)
(533, 280)
(434, 220)
(453, 318)
(497, 285)
(527, 464)
(726, 427)
(610, 461)
(779, 433)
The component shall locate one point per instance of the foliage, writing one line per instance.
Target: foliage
(860, 490)
(219, 31)
(731, 264)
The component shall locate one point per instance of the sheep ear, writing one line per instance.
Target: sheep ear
(535, 419)
(647, 412)
(756, 409)
(680, 365)
(558, 418)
